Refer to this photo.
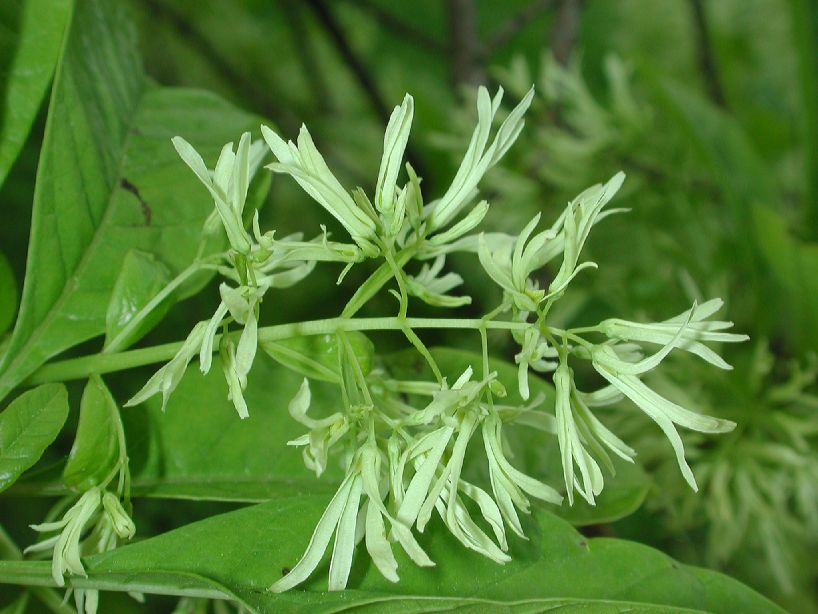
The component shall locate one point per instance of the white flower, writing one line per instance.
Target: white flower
(695, 330)
(436, 485)
(324, 432)
(433, 290)
(438, 243)
(227, 183)
(168, 377)
(305, 164)
(533, 354)
(577, 220)
(395, 138)
(571, 448)
(343, 517)
(623, 376)
(508, 484)
(510, 267)
(121, 523)
(479, 158)
(582, 437)
(67, 546)
(86, 600)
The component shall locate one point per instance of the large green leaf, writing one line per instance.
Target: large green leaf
(31, 35)
(27, 427)
(108, 181)
(241, 553)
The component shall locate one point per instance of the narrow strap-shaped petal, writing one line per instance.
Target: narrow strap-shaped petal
(319, 541)
(341, 561)
(418, 488)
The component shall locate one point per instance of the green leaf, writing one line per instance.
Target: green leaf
(198, 449)
(8, 295)
(537, 453)
(27, 61)
(142, 277)
(108, 181)
(242, 552)
(95, 452)
(27, 427)
(316, 356)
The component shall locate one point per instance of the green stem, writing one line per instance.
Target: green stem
(397, 273)
(423, 350)
(182, 584)
(48, 597)
(82, 367)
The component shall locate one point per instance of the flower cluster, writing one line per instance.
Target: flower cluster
(404, 460)
(760, 483)
(95, 523)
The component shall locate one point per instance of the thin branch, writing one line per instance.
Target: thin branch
(359, 71)
(405, 30)
(504, 33)
(464, 44)
(704, 52)
(267, 103)
(564, 31)
(81, 367)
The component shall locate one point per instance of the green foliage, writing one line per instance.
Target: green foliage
(557, 565)
(95, 452)
(406, 457)
(27, 427)
(670, 137)
(33, 33)
(105, 186)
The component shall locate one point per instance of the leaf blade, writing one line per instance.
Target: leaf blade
(27, 427)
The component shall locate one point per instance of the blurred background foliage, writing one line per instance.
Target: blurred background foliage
(710, 107)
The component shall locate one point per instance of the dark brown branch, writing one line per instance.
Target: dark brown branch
(401, 28)
(464, 44)
(705, 55)
(504, 33)
(564, 31)
(264, 101)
